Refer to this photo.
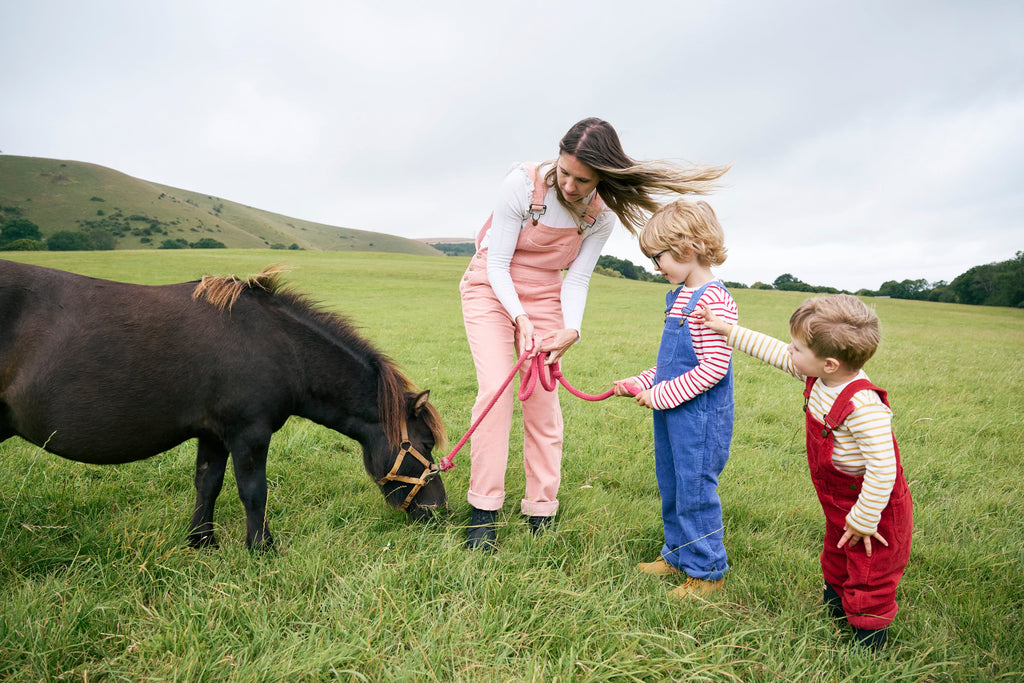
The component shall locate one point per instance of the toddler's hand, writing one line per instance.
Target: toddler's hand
(852, 535)
(712, 321)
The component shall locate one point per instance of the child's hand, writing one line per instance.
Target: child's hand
(712, 321)
(852, 535)
(644, 399)
(625, 387)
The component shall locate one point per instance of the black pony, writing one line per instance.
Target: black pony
(107, 372)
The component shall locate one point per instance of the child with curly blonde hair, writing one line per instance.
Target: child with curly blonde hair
(690, 392)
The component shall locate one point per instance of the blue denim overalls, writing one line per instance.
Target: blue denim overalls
(691, 447)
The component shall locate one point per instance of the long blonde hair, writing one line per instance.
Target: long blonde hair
(627, 186)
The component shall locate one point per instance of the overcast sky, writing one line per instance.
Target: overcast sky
(871, 140)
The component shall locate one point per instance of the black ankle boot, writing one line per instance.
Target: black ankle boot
(873, 638)
(481, 533)
(833, 603)
(539, 524)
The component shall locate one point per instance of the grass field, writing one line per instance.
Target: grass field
(96, 584)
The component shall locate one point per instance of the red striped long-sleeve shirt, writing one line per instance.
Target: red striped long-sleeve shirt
(713, 353)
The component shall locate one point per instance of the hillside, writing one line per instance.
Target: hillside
(72, 196)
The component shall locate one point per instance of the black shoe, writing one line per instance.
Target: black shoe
(482, 534)
(873, 638)
(833, 603)
(539, 524)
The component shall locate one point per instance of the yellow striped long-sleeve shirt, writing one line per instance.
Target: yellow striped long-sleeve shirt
(863, 443)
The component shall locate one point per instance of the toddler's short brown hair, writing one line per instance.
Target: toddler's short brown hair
(839, 326)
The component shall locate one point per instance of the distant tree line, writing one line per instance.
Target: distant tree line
(616, 267)
(455, 248)
(20, 234)
(993, 284)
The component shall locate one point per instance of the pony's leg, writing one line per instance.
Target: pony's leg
(250, 463)
(211, 460)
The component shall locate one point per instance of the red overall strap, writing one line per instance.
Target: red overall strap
(843, 405)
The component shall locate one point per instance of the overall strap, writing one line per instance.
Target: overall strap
(808, 383)
(843, 405)
(697, 294)
(595, 207)
(537, 206)
(692, 303)
(670, 298)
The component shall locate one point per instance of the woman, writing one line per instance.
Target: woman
(550, 218)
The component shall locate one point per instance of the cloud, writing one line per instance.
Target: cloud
(869, 141)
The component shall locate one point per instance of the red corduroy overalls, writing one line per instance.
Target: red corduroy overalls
(867, 585)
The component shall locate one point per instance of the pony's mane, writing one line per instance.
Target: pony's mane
(222, 291)
(392, 385)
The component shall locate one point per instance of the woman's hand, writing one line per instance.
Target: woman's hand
(557, 343)
(524, 335)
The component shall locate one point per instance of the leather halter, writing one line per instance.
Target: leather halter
(430, 470)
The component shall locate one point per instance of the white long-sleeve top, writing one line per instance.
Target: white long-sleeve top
(863, 442)
(712, 351)
(510, 214)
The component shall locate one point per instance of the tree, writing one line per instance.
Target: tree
(975, 285)
(1009, 283)
(102, 240)
(908, 289)
(208, 243)
(69, 241)
(19, 229)
(993, 284)
(790, 283)
(627, 269)
(24, 245)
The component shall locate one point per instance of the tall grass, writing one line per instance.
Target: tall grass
(96, 584)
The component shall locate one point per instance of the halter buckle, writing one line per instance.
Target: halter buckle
(430, 470)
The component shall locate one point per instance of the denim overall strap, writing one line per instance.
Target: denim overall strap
(691, 446)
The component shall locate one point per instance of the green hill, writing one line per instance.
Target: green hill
(74, 196)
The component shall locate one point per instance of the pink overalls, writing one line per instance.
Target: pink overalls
(867, 585)
(542, 253)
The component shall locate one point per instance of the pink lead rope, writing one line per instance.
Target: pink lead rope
(533, 373)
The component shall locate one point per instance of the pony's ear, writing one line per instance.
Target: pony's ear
(420, 402)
